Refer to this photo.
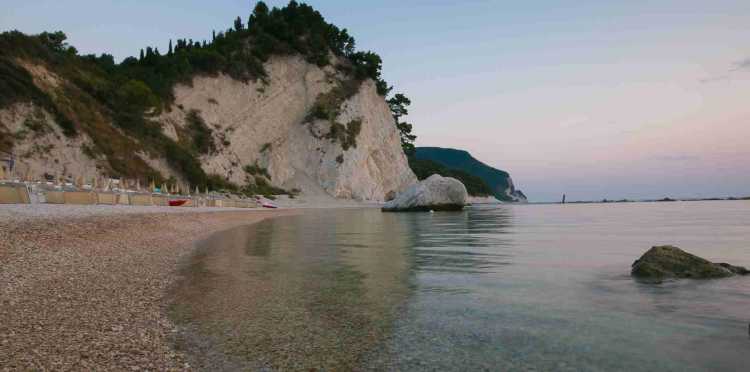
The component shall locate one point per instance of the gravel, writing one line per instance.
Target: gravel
(83, 287)
(37, 211)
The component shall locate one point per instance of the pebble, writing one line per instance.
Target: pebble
(81, 287)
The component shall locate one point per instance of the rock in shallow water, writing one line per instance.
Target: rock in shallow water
(671, 262)
(434, 193)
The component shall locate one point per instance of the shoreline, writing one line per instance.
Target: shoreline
(83, 287)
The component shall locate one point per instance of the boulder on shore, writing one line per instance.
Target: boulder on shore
(667, 261)
(435, 193)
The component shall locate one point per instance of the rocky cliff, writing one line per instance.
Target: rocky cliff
(283, 101)
(258, 125)
(267, 126)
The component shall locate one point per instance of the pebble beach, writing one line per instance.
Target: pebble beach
(82, 287)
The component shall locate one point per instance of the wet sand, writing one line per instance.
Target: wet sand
(82, 288)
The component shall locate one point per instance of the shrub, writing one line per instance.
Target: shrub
(201, 134)
(345, 134)
(256, 170)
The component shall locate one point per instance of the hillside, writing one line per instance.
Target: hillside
(499, 182)
(282, 101)
(424, 168)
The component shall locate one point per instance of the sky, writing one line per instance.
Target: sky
(593, 99)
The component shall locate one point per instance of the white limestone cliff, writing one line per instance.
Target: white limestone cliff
(255, 124)
(264, 124)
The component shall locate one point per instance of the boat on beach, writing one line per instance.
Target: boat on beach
(265, 203)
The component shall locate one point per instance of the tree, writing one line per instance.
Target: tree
(55, 40)
(136, 95)
(238, 26)
(398, 105)
(259, 15)
(170, 48)
(141, 56)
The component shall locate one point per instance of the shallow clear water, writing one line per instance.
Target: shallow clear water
(527, 287)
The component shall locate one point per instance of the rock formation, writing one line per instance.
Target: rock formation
(499, 181)
(664, 262)
(258, 124)
(282, 103)
(434, 193)
(266, 125)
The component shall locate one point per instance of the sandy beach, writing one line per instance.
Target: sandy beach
(82, 287)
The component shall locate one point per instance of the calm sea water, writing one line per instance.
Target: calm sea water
(527, 287)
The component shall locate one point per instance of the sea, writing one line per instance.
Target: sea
(537, 287)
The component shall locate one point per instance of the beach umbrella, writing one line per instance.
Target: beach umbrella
(164, 188)
(197, 192)
(138, 185)
(2, 173)
(79, 181)
(94, 183)
(152, 186)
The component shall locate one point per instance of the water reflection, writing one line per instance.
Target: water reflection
(471, 242)
(318, 290)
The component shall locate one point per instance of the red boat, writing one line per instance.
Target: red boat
(177, 202)
(265, 203)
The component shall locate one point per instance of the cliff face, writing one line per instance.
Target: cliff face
(265, 125)
(498, 180)
(262, 125)
(40, 148)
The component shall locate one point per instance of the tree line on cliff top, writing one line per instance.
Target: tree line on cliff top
(140, 87)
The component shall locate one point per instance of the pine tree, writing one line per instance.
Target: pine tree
(398, 105)
(170, 48)
(259, 16)
(238, 24)
(141, 57)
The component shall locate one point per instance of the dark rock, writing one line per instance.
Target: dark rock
(739, 270)
(667, 261)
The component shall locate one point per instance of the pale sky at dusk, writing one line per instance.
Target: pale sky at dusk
(636, 99)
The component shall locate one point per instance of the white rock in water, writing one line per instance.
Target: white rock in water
(435, 193)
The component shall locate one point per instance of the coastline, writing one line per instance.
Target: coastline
(83, 287)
